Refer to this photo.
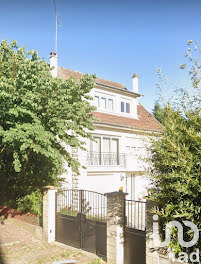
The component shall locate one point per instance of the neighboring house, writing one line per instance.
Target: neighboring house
(116, 159)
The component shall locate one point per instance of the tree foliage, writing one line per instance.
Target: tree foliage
(159, 112)
(39, 115)
(176, 157)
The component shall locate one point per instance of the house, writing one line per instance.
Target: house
(116, 159)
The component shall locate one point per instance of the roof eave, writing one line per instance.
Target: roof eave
(129, 128)
(119, 89)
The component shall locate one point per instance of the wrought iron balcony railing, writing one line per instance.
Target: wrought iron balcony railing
(106, 159)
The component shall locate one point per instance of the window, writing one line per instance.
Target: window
(95, 151)
(105, 144)
(130, 186)
(128, 108)
(127, 149)
(103, 102)
(133, 150)
(114, 146)
(122, 107)
(97, 102)
(96, 145)
(104, 151)
(125, 107)
(110, 104)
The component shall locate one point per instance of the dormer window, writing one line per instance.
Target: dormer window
(125, 107)
(128, 108)
(103, 102)
(110, 104)
(97, 102)
(122, 107)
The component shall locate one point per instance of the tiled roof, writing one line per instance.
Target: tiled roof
(146, 120)
(66, 73)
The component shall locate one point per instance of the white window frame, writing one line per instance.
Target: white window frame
(104, 102)
(129, 108)
(103, 99)
(124, 104)
(101, 142)
(97, 103)
(112, 104)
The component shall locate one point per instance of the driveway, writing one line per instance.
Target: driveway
(18, 246)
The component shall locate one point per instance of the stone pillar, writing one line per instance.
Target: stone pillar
(115, 227)
(75, 181)
(75, 176)
(49, 210)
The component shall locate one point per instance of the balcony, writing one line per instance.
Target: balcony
(106, 159)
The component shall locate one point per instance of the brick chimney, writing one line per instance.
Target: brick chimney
(53, 63)
(135, 83)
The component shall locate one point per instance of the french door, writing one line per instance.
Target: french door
(106, 150)
(130, 186)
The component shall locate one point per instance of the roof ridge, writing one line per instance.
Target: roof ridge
(97, 77)
(111, 81)
(71, 70)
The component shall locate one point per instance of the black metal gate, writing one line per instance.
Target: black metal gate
(81, 220)
(135, 232)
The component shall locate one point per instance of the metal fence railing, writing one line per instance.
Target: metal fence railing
(93, 206)
(135, 214)
(73, 202)
(106, 159)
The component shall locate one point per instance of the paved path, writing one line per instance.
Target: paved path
(18, 246)
(10, 233)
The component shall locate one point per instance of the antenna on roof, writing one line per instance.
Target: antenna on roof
(57, 23)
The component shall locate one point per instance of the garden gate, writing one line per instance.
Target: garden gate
(135, 232)
(81, 220)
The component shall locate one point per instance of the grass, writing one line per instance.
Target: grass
(97, 261)
(66, 211)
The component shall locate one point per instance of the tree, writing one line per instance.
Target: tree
(176, 157)
(159, 112)
(39, 115)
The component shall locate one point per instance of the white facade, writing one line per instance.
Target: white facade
(109, 172)
(110, 102)
(116, 158)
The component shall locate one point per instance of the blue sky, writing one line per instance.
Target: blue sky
(112, 39)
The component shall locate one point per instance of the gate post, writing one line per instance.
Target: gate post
(115, 227)
(49, 213)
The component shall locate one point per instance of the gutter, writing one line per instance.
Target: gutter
(118, 89)
(133, 129)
